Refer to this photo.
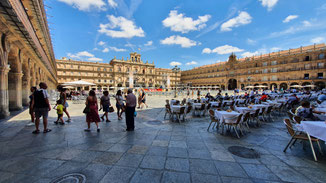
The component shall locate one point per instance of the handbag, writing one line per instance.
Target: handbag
(87, 109)
(111, 109)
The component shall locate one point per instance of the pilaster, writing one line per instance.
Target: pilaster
(15, 90)
(4, 98)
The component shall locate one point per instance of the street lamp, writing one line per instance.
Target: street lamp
(175, 70)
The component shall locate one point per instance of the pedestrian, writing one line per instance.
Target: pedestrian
(198, 93)
(59, 108)
(120, 105)
(105, 104)
(139, 98)
(130, 110)
(31, 110)
(41, 106)
(188, 93)
(63, 98)
(92, 115)
(143, 96)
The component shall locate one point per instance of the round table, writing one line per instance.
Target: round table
(227, 117)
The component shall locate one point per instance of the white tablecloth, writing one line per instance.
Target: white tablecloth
(228, 102)
(259, 106)
(320, 109)
(315, 128)
(227, 117)
(244, 110)
(196, 105)
(176, 108)
(241, 101)
(214, 103)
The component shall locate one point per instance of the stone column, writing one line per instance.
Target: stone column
(15, 90)
(26, 90)
(4, 98)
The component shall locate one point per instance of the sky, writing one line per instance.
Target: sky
(186, 33)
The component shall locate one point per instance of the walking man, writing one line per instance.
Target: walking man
(41, 106)
(131, 103)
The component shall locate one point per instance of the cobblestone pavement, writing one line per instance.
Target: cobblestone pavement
(157, 151)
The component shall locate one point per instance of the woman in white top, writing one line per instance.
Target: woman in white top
(120, 104)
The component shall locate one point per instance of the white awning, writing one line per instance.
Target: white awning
(78, 83)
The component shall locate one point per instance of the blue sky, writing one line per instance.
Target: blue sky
(187, 33)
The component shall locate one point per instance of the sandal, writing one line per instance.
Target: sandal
(36, 132)
(47, 130)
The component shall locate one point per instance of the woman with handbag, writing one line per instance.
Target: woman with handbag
(91, 111)
(105, 104)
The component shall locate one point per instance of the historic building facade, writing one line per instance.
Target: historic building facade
(129, 72)
(300, 66)
(26, 53)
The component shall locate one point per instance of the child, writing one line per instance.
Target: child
(59, 108)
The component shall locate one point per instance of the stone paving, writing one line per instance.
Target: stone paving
(157, 151)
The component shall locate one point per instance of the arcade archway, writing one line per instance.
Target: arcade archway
(232, 84)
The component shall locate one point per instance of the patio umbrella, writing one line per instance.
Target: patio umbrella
(250, 87)
(296, 86)
(261, 86)
(78, 83)
(69, 87)
(309, 86)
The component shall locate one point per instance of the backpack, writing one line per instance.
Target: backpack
(39, 100)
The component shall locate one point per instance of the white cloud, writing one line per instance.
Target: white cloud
(117, 49)
(149, 43)
(81, 54)
(192, 63)
(101, 43)
(105, 50)
(251, 42)
(317, 40)
(95, 49)
(242, 19)
(174, 63)
(179, 40)
(289, 18)
(86, 5)
(180, 23)
(129, 45)
(94, 59)
(112, 3)
(249, 54)
(126, 28)
(84, 55)
(268, 3)
(226, 49)
(306, 23)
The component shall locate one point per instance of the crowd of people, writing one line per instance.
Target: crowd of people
(126, 102)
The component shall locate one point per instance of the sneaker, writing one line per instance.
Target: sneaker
(56, 122)
(98, 130)
(108, 121)
(30, 124)
(87, 130)
(62, 123)
(102, 118)
(69, 120)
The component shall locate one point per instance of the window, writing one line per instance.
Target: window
(72, 73)
(307, 66)
(249, 72)
(274, 70)
(79, 73)
(265, 64)
(104, 69)
(265, 78)
(119, 69)
(111, 70)
(99, 80)
(105, 81)
(79, 67)
(265, 71)
(306, 76)
(71, 66)
(320, 75)
(274, 78)
(320, 65)
(307, 58)
(321, 56)
(274, 62)
(64, 72)
(257, 71)
(98, 69)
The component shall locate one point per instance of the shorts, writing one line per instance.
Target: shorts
(41, 112)
(60, 115)
(118, 106)
(106, 108)
(66, 105)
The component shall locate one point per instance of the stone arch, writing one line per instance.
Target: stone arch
(284, 86)
(320, 85)
(305, 83)
(4, 69)
(15, 77)
(273, 86)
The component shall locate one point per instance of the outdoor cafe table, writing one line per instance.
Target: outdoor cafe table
(176, 108)
(241, 101)
(244, 110)
(224, 116)
(196, 105)
(272, 103)
(227, 101)
(259, 106)
(214, 103)
(281, 100)
(315, 129)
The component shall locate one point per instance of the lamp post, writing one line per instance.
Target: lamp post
(175, 70)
